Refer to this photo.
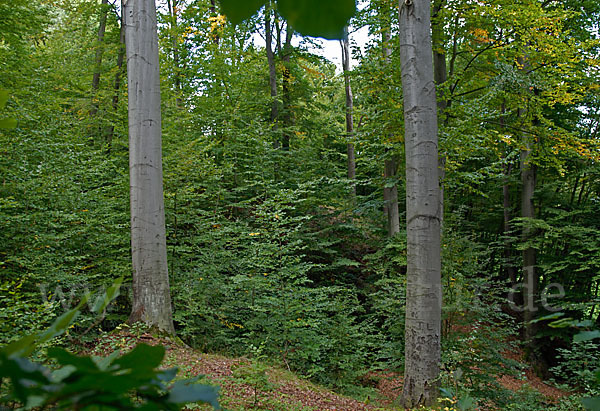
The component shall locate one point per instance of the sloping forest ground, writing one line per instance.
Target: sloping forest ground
(251, 383)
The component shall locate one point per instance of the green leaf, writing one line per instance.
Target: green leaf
(62, 373)
(59, 325)
(308, 17)
(552, 316)
(446, 392)
(167, 375)
(184, 393)
(3, 98)
(318, 18)
(85, 364)
(104, 362)
(466, 403)
(25, 376)
(143, 356)
(111, 293)
(238, 11)
(592, 404)
(8, 123)
(19, 346)
(562, 323)
(586, 336)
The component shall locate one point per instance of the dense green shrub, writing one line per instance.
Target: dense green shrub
(578, 365)
(115, 382)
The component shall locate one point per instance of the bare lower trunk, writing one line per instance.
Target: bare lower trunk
(151, 295)
(423, 278)
(511, 273)
(530, 276)
(390, 192)
(349, 108)
(390, 196)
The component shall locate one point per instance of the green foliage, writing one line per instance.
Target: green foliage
(6, 123)
(254, 288)
(254, 373)
(579, 365)
(266, 247)
(129, 381)
(310, 18)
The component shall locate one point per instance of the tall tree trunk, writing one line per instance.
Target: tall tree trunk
(98, 59)
(531, 280)
(213, 12)
(288, 120)
(440, 74)
(509, 268)
(151, 294)
(511, 273)
(390, 193)
(530, 273)
(349, 108)
(423, 278)
(272, 74)
(172, 5)
(110, 132)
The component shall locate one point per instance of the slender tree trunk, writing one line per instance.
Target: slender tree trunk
(272, 74)
(390, 194)
(151, 294)
(98, 59)
(213, 13)
(423, 278)
(349, 108)
(528, 182)
(172, 5)
(110, 132)
(530, 273)
(511, 273)
(287, 87)
(440, 74)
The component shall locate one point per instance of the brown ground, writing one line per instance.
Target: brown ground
(289, 392)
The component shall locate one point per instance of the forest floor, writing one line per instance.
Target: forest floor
(245, 384)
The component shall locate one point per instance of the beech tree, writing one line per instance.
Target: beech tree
(345, 43)
(151, 294)
(423, 213)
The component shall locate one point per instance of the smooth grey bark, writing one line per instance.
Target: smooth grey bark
(99, 54)
(390, 197)
(351, 157)
(151, 294)
(390, 167)
(272, 72)
(423, 214)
